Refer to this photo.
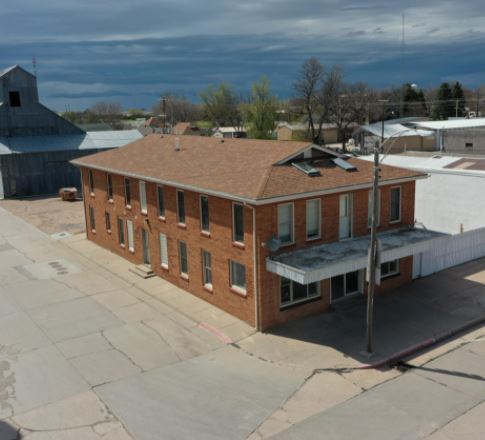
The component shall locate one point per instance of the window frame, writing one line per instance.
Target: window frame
(293, 302)
(399, 219)
(183, 244)
(207, 230)
(319, 219)
(130, 237)
(109, 187)
(393, 273)
(239, 289)
(234, 238)
(92, 219)
(369, 208)
(206, 268)
(107, 221)
(161, 209)
(163, 242)
(127, 191)
(91, 182)
(292, 231)
(121, 232)
(350, 209)
(183, 223)
(142, 195)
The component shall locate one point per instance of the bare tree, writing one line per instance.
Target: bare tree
(222, 106)
(106, 111)
(177, 108)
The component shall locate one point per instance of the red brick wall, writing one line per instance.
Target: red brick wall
(219, 244)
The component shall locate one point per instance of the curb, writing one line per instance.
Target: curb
(394, 358)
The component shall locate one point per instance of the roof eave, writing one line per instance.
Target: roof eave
(248, 200)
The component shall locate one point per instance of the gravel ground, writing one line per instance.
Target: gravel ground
(49, 214)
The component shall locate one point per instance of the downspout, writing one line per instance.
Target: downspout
(255, 271)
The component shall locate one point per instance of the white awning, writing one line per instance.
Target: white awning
(324, 261)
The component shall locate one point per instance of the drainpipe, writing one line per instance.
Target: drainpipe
(255, 271)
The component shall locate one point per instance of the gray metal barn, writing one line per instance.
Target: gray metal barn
(36, 144)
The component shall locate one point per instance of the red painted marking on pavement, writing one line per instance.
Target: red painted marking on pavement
(216, 332)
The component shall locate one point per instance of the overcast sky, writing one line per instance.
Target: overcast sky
(132, 50)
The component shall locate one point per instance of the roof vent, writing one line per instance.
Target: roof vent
(344, 165)
(177, 144)
(306, 168)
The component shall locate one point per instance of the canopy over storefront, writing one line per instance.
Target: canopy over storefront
(324, 261)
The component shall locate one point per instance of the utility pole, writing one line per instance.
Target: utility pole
(373, 262)
(456, 109)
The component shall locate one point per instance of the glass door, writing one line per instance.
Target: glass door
(146, 247)
(346, 285)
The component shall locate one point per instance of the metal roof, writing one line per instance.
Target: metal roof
(451, 124)
(392, 129)
(89, 141)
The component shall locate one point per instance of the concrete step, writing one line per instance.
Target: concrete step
(142, 271)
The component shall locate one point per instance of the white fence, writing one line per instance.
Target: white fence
(450, 251)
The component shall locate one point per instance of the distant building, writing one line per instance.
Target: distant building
(36, 144)
(229, 132)
(301, 131)
(186, 128)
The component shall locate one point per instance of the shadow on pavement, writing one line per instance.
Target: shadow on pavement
(404, 366)
(9, 432)
(426, 308)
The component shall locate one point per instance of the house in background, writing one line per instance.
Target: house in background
(36, 144)
(186, 128)
(301, 132)
(268, 231)
(229, 132)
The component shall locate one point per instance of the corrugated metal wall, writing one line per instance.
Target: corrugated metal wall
(31, 174)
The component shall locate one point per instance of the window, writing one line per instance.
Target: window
(294, 293)
(238, 222)
(91, 181)
(395, 204)
(107, 220)
(109, 186)
(389, 269)
(92, 221)
(14, 98)
(143, 196)
(285, 223)
(313, 219)
(204, 213)
(184, 262)
(345, 285)
(238, 276)
(121, 231)
(207, 268)
(345, 216)
(131, 236)
(163, 251)
(127, 192)
(469, 144)
(181, 207)
(370, 209)
(161, 201)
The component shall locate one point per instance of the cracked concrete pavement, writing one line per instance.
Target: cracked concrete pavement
(90, 351)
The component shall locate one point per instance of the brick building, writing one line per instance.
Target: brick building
(267, 231)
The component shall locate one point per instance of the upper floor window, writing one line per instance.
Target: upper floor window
(127, 192)
(14, 99)
(370, 209)
(313, 219)
(109, 186)
(91, 181)
(238, 222)
(395, 204)
(285, 223)
(181, 206)
(204, 213)
(143, 196)
(345, 216)
(160, 201)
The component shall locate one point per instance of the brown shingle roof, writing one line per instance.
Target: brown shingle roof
(242, 168)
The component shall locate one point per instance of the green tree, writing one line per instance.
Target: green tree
(261, 110)
(444, 107)
(459, 97)
(222, 106)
